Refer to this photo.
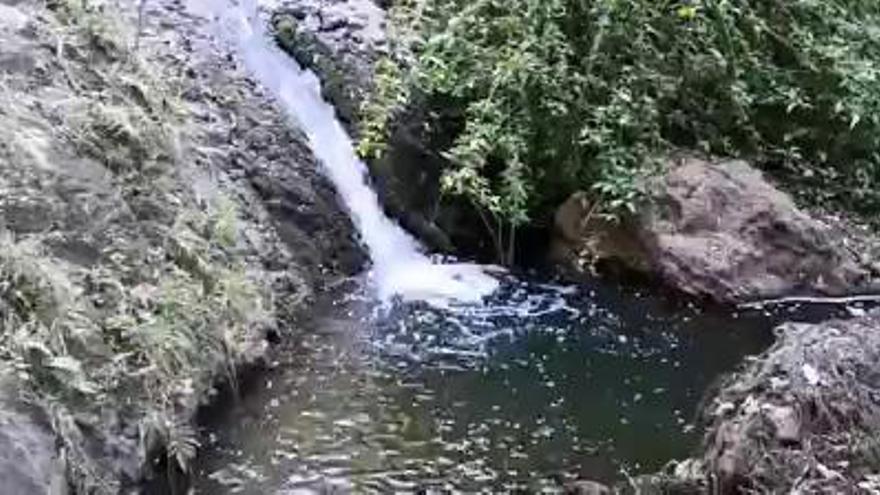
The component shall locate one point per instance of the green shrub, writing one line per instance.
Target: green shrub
(539, 98)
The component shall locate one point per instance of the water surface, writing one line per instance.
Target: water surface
(541, 385)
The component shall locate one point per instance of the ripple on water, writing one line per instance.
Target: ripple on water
(538, 385)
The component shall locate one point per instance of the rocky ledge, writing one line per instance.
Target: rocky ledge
(715, 229)
(341, 41)
(804, 417)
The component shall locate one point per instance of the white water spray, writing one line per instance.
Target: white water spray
(400, 268)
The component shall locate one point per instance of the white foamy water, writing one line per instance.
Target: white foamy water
(400, 268)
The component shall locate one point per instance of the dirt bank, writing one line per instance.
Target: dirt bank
(803, 417)
(158, 219)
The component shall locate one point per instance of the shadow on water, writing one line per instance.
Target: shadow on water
(540, 385)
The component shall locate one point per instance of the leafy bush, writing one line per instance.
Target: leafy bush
(544, 97)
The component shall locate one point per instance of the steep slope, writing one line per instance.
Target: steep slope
(158, 219)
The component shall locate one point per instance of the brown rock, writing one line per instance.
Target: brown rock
(720, 230)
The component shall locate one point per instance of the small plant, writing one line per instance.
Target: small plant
(104, 36)
(31, 289)
(225, 223)
(389, 98)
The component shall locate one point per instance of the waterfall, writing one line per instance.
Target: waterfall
(400, 267)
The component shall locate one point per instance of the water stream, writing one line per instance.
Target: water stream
(430, 376)
(399, 267)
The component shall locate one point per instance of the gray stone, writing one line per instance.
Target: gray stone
(29, 461)
(786, 425)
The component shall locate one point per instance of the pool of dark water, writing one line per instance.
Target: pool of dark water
(541, 385)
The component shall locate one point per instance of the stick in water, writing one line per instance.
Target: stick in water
(813, 300)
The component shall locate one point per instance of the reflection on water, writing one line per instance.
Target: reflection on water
(540, 385)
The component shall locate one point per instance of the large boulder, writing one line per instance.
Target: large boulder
(715, 229)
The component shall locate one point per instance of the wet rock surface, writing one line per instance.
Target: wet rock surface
(340, 40)
(717, 229)
(242, 133)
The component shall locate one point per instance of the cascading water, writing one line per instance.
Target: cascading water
(400, 268)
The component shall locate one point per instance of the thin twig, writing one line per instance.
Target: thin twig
(140, 25)
(511, 244)
(812, 300)
(499, 248)
(593, 208)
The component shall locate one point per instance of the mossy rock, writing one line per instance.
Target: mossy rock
(341, 82)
